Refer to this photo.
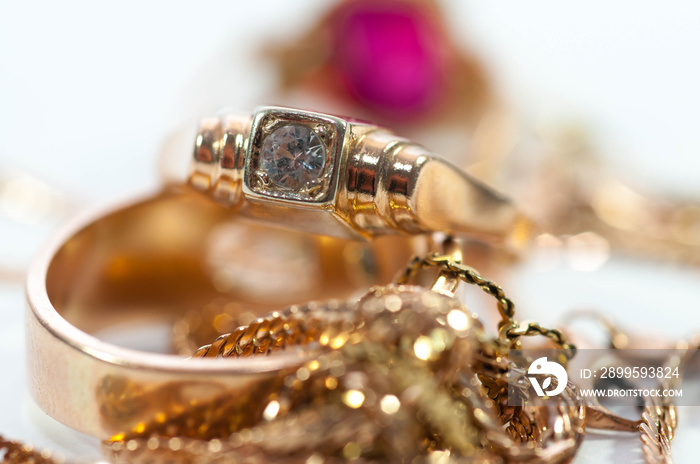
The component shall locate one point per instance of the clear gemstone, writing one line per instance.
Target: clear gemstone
(292, 156)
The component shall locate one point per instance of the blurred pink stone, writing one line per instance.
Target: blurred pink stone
(388, 53)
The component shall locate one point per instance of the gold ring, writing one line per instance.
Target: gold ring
(151, 260)
(344, 178)
(146, 261)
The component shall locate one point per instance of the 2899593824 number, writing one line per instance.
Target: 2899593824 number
(638, 372)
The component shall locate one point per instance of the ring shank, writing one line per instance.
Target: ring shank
(144, 261)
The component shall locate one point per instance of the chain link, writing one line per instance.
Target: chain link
(506, 307)
(509, 329)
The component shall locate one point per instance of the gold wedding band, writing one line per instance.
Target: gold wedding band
(344, 178)
(146, 261)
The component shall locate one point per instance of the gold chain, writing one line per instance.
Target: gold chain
(509, 328)
(343, 338)
(299, 325)
(333, 325)
(659, 419)
(13, 452)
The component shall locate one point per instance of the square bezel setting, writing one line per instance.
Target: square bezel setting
(294, 155)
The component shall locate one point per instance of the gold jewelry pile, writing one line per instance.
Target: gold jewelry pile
(405, 374)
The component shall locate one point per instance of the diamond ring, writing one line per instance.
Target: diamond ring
(344, 178)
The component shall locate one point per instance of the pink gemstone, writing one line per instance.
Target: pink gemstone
(389, 55)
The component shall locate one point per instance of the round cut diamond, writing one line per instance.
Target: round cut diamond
(292, 156)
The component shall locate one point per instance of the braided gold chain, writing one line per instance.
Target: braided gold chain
(509, 328)
(296, 326)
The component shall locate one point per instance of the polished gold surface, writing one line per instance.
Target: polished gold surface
(378, 183)
(146, 262)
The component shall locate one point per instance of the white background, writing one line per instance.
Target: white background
(89, 92)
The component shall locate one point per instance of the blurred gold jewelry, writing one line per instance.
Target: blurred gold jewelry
(344, 178)
(26, 201)
(590, 214)
(13, 452)
(658, 418)
(585, 209)
(147, 262)
(389, 377)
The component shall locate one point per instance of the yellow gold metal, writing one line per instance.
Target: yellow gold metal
(146, 262)
(13, 452)
(363, 352)
(377, 183)
(535, 433)
(593, 204)
(130, 266)
(404, 353)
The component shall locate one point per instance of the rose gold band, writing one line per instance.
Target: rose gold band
(142, 262)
